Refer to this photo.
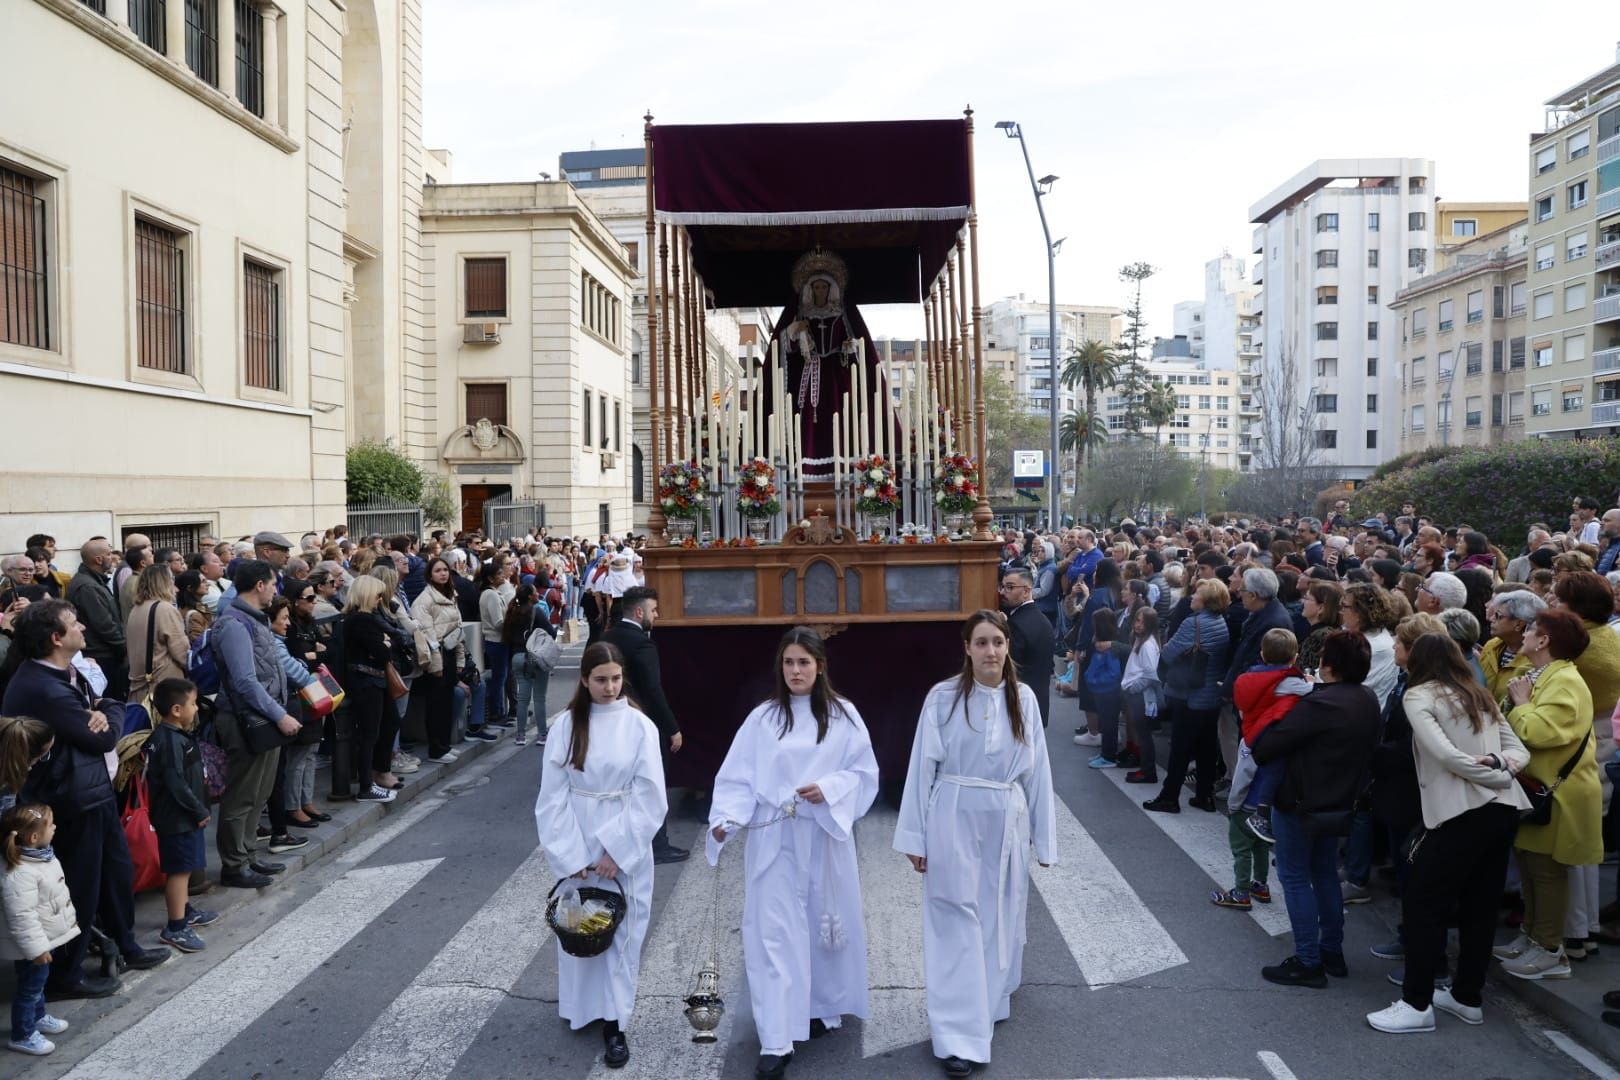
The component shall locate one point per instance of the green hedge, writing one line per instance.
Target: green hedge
(380, 470)
(1500, 490)
(1414, 458)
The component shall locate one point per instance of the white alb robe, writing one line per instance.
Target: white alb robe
(804, 941)
(615, 805)
(975, 802)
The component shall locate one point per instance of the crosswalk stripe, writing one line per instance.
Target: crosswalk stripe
(661, 1046)
(891, 896)
(1203, 838)
(433, 1022)
(1112, 935)
(224, 1001)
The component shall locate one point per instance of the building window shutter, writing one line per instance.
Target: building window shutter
(486, 401)
(486, 288)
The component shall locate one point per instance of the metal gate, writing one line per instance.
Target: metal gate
(506, 517)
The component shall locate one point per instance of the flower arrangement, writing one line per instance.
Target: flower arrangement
(756, 489)
(873, 481)
(955, 491)
(681, 489)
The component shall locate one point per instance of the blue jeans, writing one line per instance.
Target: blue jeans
(496, 661)
(1308, 868)
(29, 1004)
(533, 682)
(1108, 721)
(1358, 849)
(460, 706)
(1263, 788)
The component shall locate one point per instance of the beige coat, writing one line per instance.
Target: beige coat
(1445, 746)
(169, 654)
(440, 616)
(39, 913)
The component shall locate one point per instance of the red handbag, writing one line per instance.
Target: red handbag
(142, 839)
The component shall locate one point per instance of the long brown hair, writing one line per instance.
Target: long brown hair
(579, 739)
(822, 695)
(1009, 671)
(16, 824)
(1435, 658)
(448, 589)
(22, 739)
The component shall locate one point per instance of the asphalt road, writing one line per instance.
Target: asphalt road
(420, 952)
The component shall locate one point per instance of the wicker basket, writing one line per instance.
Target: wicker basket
(581, 945)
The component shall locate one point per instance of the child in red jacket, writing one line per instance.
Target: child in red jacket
(1262, 695)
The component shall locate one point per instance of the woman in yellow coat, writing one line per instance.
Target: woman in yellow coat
(1509, 613)
(1550, 710)
(1590, 596)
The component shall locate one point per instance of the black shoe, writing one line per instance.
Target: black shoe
(279, 844)
(671, 854)
(818, 1029)
(481, 735)
(91, 986)
(1162, 805)
(1611, 999)
(616, 1051)
(269, 869)
(1334, 965)
(1291, 972)
(1609, 1017)
(955, 1066)
(247, 879)
(1128, 759)
(310, 824)
(772, 1066)
(322, 817)
(142, 959)
(1137, 776)
(1206, 804)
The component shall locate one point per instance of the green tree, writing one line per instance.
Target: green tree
(1133, 381)
(1092, 367)
(1009, 426)
(1078, 435)
(380, 470)
(1124, 478)
(439, 505)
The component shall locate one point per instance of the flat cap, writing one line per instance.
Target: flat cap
(271, 539)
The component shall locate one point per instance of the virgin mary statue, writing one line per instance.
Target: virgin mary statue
(818, 344)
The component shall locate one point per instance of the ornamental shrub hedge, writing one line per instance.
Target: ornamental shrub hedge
(1500, 490)
(380, 470)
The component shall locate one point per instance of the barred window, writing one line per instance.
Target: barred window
(202, 39)
(485, 287)
(149, 22)
(24, 268)
(160, 297)
(261, 332)
(250, 57)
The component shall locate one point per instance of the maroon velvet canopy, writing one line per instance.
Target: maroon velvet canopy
(889, 197)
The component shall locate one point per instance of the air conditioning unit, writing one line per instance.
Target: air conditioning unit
(481, 333)
(608, 460)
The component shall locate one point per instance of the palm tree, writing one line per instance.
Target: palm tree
(1093, 366)
(1077, 433)
(1158, 409)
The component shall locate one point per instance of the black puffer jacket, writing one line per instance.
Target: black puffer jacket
(72, 779)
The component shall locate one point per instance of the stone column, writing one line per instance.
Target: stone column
(118, 14)
(174, 30)
(272, 67)
(227, 47)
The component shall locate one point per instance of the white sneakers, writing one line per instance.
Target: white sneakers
(1401, 1019)
(1538, 963)
(1468, 1014)
(1088, 739)
(446, 758)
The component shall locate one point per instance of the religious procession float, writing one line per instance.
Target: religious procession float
(824, 485)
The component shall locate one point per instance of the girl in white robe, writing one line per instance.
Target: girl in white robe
(804, 941)
(601, 800)
(978, 796)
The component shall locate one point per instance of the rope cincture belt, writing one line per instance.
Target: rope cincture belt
(630, 903)
(620, 794)
(1009, 838)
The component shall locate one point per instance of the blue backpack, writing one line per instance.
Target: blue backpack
(1103, 674)
(201, 668)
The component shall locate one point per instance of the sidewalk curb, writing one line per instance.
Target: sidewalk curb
(1586, 1024)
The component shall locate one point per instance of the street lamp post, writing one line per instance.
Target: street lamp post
(1040, 188)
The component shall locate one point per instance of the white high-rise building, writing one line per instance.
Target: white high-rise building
(1227, 293)
(1336, 243)
(1024, 326)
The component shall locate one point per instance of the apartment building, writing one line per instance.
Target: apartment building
(1573, 374)
(1024, 326)
(1335, 243)
(184, 205)
(1205, 424)
(1462, 345)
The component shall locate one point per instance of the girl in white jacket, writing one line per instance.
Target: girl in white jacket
(39, 917)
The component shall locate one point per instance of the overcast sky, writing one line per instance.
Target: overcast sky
(1165, 121)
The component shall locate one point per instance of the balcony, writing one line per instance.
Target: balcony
(1608, 203)
(1608, 148)
(1258, 246)
(1606, 309)
(1606, 255)
(1606, 413)
(1606, 360)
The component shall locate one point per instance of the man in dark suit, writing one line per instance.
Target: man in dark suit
(643, 681)
(1032, 638)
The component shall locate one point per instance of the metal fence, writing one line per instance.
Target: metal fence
(505, 517)
(385, 516)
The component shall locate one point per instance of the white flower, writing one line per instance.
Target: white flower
(939, 496)
(876, 474)
(957, 481)
(870, 493)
